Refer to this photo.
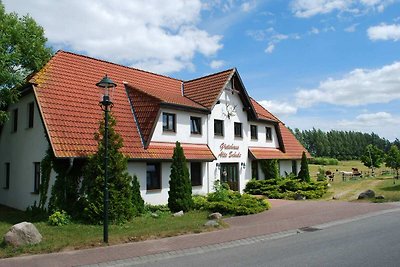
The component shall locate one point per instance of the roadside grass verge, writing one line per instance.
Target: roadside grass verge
(77, 235)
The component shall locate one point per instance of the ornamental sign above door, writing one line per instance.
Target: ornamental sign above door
(229, 151)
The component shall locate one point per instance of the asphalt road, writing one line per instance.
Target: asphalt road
(373, 241)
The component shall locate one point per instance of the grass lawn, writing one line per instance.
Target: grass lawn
(78, 236)
(350, 189)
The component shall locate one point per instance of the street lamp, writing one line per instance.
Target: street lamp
(107, 87)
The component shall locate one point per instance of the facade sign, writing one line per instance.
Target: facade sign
(229, 151)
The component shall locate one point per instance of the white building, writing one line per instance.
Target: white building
(222, 130)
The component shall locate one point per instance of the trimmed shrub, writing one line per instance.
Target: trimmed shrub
(226, 201)
(324, 161)
(286, 188)
(180, 187)
(304, 174)
(59, 218)
(321, 174)
(137, 200)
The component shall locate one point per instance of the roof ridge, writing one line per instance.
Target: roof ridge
(267, 110)
(116, 64)
(209, 75)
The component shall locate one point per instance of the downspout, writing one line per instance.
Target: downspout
(208, 163)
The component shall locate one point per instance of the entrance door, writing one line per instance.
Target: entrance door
(230, 175)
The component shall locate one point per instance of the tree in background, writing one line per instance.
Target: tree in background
(304, 174)
(22, 51)
(270, 169)
(373, 157)
(341, 145)
(119, 182)
(180, 187)
(392, 159)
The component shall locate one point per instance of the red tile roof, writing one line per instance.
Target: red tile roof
(72, 114)
(68, 101)
(159, 150)
(262, 113)
(206, 90)
(145, 107)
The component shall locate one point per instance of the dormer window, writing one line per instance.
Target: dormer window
(268, 133)
(253, 132)
(195, 125)
(169, 122)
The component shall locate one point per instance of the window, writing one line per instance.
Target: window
(294, 167)
(15, 120)
(30, 114)
(219, 127)
(195, 173)
(253, 132)
(7, 175)
(169, 122)
(195, 125)
(254, 170)
(238, 129)
(268, 133)
(153, 176)
(36, 184)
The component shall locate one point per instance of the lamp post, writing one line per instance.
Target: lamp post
(107, 86)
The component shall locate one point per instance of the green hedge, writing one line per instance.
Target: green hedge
(231, 202)
(324, 161)
(287, 188)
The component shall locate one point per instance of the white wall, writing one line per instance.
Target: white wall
(21, 149)
(182, 132)
(160, 196)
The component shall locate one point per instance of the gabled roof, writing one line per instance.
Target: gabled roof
(206, 90)
(68, 101)
(262, 113)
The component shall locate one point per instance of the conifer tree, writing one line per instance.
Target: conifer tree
(180, 187)
(119, 181)
(137, 200)
(304, 174)
(270, 169)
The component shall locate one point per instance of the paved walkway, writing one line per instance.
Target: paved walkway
(285, 215)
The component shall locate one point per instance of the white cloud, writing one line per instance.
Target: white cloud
(351, 28)
(385, 125)
(359, 87)
(217, 64)
(382, 123)
(384, 32)
(277, 38)
(373, 117)
(278, 108)
(270, 48)
(314, 30)
(162, 36)
(247, 6)
(310, 8)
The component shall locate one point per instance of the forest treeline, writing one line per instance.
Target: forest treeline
(342, 145)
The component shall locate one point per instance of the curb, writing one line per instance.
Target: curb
(236, 243)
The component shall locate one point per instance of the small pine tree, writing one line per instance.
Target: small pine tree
(180, 187)
(137, 200)
(304, 174)
(270, 169)
(119, 182)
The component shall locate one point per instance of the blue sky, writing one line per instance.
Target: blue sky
(328, 64)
